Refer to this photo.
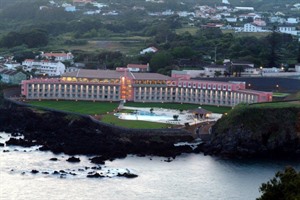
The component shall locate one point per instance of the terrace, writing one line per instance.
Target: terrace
(167, 116)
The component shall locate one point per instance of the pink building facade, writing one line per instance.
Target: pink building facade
(108, 85)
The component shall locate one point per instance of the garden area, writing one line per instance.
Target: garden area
(104, 111)
(178, 106)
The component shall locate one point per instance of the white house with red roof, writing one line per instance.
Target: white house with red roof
(138, 67)
(250, 27)
(60, 56)
(51, 68)
(149, 50)
(259, 22)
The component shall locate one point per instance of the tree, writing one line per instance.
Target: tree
(217, 73)
(285, 185)
(35, 38)
(160, 60)
(175, 117)
(273, 40)
(182, 52)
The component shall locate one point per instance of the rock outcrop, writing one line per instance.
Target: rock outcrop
(74, 134)
(256, 131)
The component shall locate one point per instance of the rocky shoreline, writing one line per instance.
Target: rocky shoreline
(244, 132)
(74, 134)
(258, 132)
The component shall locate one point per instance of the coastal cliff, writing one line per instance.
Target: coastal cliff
(79, 134)
(257, 131)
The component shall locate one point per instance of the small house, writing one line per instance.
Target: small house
(12, 76)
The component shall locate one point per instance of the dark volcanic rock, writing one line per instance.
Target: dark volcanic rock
(73, 159)
(74, 134)
(127, 175)
(98, 160)
(20, 142)
(2, 145)
(95, 175)
(53, 159)
(256, 132)
(34, 171)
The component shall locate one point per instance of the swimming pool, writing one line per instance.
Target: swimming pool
(145, 116)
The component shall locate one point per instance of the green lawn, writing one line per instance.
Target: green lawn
(191, 30)
(278, 94)
(277, 104)
(111, 119)
(93, 108)
(82, 107)
(178, 106)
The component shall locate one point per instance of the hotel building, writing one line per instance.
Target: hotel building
(51, 68)
(109, 85)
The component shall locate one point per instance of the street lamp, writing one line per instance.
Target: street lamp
(249, 85)
(261, 70)
(277, 87)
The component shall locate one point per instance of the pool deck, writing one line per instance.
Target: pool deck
(163, 115)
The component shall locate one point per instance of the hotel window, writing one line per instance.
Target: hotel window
(189, 84)
(229, 87)
(209, 86)
(199, 85)
(219, 87)
(179, 84)
(214, 87)
(194, 85)
(224, 87)
(184, 84)
(204, 86)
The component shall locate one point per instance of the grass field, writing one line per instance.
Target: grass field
(111, 119)
(277, 104)
(126, 44)
(101, 108)
(247, 34)
(178, 106)
(82, 107)
(191, 30)
(277, 94)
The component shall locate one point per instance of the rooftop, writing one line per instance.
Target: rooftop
(9, 72)
(137, 66)
(112, 74)
(55, 54)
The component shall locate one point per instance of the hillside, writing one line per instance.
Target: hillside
(258, 130)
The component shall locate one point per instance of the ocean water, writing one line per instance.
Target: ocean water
(189, 176)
